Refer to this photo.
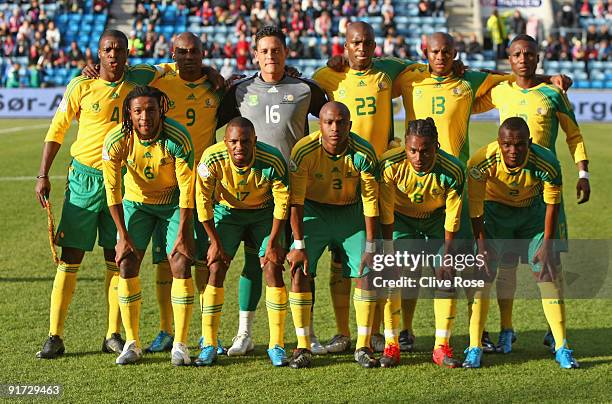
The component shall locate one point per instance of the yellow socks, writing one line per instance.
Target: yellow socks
(392, 309)
(182, 306)
(211, 314)
(554, 310)
(111, 281)
(276, 302)
(445, 310)
(200, 277)
(378, 315)
(506, 287)
(163, 288)
(365, 304)
(340, 288)
(301, 304)
(61, 296)
(478, 319)
(408, 309)
(130, 299)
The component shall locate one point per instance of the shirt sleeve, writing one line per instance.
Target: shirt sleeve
(405, 79)
(387, 195)
(228, 108)
(552, 181)
(454, 205)
(205, 188)
(280, 193)
(68, 109)
(477, 185)
(369, 188)
(568, 123)
(184, 177)
(298, 176)
(113, 155)
(318, 98)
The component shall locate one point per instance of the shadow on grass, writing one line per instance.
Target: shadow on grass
(44, 279)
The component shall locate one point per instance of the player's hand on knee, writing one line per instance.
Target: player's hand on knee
(367, 260)
(123, 249)
(298, 259)
(42, 189)
(184, 247)
(545, 257)
(217, 254)
(583, 190)
(275, 255)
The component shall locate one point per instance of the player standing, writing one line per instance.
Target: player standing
(544, 107)
(514, 190)
(330, 170)
(420, 199)
(159, 189)
(243, 188)
(278, 106)
(96, 104)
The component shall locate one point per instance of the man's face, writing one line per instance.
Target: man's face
(421, 151)
(360, 45)
(523, 59)
(113, 55)
(514, 146)
(271, 54)
(188, 55)
(146, 116)
(335, 127)
(441, 53)
(240, 143)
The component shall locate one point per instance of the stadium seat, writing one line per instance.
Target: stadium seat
(598, 84)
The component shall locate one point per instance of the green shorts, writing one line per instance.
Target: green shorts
(199, 234)
(234, 225)
(85, 213)
(337, 226)
(516, 231)
(143, 219)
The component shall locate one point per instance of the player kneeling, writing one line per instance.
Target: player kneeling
(242, 190)
(330, 170)
(158, 154)
(514, 193)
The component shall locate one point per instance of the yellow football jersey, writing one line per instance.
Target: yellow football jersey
(321, 177)
(420, 194)
(193, 104)
(159, 171)
(543, 107)
(489, 178)
(448, 100)
(263, 182)
(368, 96)
(97, 106)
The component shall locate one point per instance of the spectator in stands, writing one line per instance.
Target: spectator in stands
(389, 45)
(362, 9)
(33, 12)
(139, 29)
(402, 49)
(26, 30)
(566, 16)
(424, 9)
(342, 24)
(474, 48)
(578, 51)
(591, 34)
(100, 6)
(599, 11)
(45, 59)
(258, 11)
(161, 49)
(243, 49)
(605, 51)
(388, 23)
(310, 51)
(533, 27)
(374, 8)
(336, 8)
(14, 76)
(347, 8)
(141, 13)
(324, 52)
(226, 70)
(609, 10)
(89, 57)
(585, 9)
(21, 45)
(387, 8)
(34, 76)
(337, 47)
(15, 20)
(62, 59)
(154, 14)
(135, 45)
(422, 47)
(53, 35)
(518, 25)
(149, 45)
(228, 49)
(74, 54)
(460, 46)
(565, 49)
(438, 8)
(295, 46)
(206, 13)
(497, 30)
(590, 52)
(604, 33)
(323, 24)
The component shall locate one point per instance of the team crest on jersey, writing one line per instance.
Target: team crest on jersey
(418, 93)
(435, 192)
(131, 162)
(63, 106)
(342, 93)
(475, 173)
(203, 170)
(456, 91)
(382, 86)
(292, 166)
(171, 104)
(541, 111)
(114, 96)
(209, 103)
(288, 98)
(95, 107)
(252, 100)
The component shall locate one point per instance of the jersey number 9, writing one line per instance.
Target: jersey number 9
(191, 115)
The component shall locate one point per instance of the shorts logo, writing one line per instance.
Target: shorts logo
(203, 170)
(475, 173)
(252, 100)
(292, 166)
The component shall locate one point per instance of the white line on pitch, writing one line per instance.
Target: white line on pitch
(20, 128)
(30, 178)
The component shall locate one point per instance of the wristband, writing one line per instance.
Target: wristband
(370, 247)
(47, 176)
(388, 247)
(299, 244)
(583, 174)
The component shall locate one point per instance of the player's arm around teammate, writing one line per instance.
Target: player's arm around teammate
(243, 188)
(158, 154)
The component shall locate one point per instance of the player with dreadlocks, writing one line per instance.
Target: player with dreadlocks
(420, 199)
(159, 192)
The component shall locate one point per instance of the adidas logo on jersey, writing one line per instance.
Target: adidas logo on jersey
(335, 170)
(148, 155)
(362, 84)
(273, 90)
(242, 182)
(191, 97)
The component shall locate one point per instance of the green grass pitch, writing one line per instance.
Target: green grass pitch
(26, 275)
